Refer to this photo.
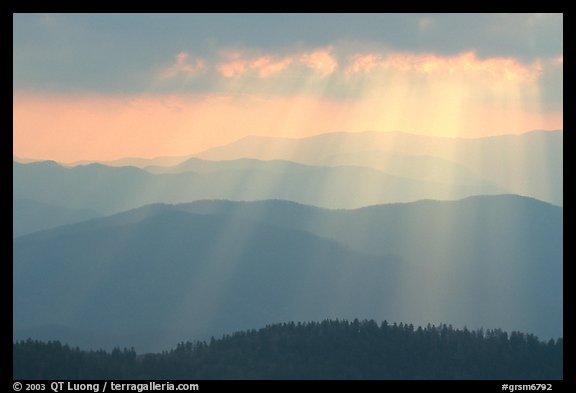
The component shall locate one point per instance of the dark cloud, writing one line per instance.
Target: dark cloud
(110, 52)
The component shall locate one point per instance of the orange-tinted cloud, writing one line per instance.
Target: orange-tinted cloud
(320, 60)
(363, 63)
(183, 67)
(238, 63)
(323, 63)
(464, 64)
(232, 68)
(265, 66)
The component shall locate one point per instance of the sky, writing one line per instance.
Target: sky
(107, 86)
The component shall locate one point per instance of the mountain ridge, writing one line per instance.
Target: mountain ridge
(87, 186)
(528, 164)
(300, 262)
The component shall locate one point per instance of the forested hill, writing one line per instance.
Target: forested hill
(326, 350)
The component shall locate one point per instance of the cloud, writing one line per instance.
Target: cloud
(464, 64)
(112, 52)
(465, 78)
(183, 67)
(239, 63)
(362, 63)
(323, 62)
(264, 66)
(267, 66)
(232, 68)
(320, 60)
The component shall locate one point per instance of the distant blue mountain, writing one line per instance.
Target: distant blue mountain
(113, 189)
(423, 168)
(175, 275)
(153, 276)
(529, 164)
(497, 252)
(30, 216)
